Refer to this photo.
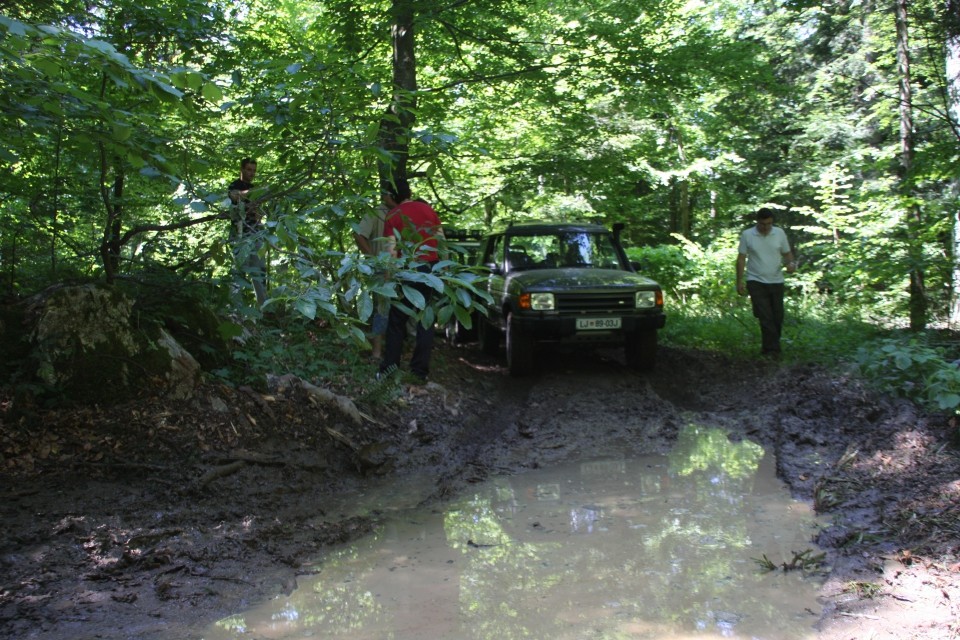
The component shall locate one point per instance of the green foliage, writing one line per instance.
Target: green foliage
(690, 272)
(291, 344)
(909, 367)
(340, 287)
(705, 312)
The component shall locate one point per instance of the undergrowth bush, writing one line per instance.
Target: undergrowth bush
(297, 346)
(704, 311)
(907, 366)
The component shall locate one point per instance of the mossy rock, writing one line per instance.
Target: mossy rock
(185, 309)
(88, 344)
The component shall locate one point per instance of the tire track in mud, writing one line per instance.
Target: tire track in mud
(585, 405)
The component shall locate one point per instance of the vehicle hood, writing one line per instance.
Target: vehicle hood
(576, 278)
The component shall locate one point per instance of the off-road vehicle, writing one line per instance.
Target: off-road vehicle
(566, 283)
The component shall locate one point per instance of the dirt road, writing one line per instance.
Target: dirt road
(151, 520)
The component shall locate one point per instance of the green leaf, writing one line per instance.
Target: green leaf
(444, 315)
(308, 308)
(902, 361)
(121, 131)
(464, 316)
(13, 27)
(435, 282)
(47, 66)
(212, 92)
(428, 318)
(415, 297)
(364, 306)
(948, 400)
(228, 330)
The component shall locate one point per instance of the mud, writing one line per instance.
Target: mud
(152, 520)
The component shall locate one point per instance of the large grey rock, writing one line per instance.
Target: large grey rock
(86, 341)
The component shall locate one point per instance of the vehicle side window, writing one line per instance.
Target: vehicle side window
(518, 254)
(530, 252)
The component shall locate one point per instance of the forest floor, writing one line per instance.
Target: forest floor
(153, 519)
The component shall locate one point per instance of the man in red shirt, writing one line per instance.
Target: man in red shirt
(416, 222)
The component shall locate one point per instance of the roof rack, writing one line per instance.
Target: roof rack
(463, 234)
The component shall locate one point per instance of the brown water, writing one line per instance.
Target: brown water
(652, 547)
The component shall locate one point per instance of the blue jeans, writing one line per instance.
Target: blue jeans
(767, 300)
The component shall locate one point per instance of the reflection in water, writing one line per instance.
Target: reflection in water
(655, 547)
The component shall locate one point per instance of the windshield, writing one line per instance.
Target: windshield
(559, 250)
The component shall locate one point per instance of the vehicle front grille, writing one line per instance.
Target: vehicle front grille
(595, 302)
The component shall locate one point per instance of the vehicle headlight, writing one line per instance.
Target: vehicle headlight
(537, 301)
(646, 299)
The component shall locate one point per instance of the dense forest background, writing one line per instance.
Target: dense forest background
(123, 122)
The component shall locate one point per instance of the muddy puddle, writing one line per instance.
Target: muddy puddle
(649, 547)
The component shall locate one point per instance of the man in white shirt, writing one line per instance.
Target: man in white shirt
(763, 251)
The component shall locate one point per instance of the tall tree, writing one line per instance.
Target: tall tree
(913, 216)
(952, 95)
(395, 128)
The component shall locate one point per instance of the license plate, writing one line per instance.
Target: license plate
(593, 324)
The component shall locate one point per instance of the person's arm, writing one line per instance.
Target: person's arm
(741, 266)
(790, 261)
(364, 244)
(236, 194)
(390, 240)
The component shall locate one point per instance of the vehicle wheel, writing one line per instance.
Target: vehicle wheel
(641, 349)
(520, 350)
(489, 337)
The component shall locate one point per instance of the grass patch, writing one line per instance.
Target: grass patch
(816, 329)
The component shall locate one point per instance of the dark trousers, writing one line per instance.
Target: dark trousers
(767, 300)
(397, 331)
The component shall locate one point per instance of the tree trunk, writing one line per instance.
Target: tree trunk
(55, 204)
(953, 112)
(918, 301)
(681, 197)
(110, 245)
(8, 258)
(398, 121)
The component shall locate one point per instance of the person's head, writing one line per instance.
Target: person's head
(396, 191)
(764, 221)
(248, 169)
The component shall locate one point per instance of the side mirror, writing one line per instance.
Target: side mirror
(636, 265)
(494, 268)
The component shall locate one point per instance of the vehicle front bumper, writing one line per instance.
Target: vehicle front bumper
(564, 328)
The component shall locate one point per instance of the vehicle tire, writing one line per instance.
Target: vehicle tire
(489, 337)
(641, 349)
(520, 350)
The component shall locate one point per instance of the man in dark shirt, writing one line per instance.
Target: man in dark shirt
(246, 221)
